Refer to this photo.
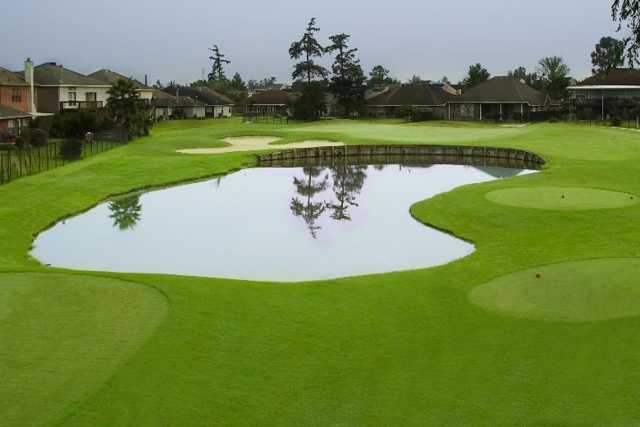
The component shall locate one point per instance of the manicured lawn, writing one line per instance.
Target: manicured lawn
(475, 342)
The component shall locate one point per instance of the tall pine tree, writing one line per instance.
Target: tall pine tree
(347, 82)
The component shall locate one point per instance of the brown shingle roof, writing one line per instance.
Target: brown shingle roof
(273, 97)
(164, 99)
(203, 94)
(111, 77)
(12, 113)
(505, 90)
(51, 74)
(10, 78)
(617, 77)
(410, 95)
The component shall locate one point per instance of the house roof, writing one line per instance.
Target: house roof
(10, 78)
(52, 74)
(205, 95)
(506, 90)
(410, 94)
(164, 99)
(273, 97)
(12, 113)
(617, 77)
(111, 77)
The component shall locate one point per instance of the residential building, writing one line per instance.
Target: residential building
(166, 106)
(110, 77)
(12, 121)
(59, 89)
(216, 104)
(605, 95)
(266, 102)
(499, 98)
(393, 100)
(15, 92)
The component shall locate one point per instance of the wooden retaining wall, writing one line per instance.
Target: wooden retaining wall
(452, 151)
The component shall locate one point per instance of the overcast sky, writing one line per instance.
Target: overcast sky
(168, 40)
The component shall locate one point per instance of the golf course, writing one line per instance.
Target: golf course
(538, 326)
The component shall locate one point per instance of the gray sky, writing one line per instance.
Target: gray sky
(168, 40)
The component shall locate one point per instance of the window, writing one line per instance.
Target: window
(91, 96)
(16, 95)
(11, 125)
(72, 96)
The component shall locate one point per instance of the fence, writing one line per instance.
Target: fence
(19, 162)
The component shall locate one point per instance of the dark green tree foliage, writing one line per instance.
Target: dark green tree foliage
(347, 183)
(379, 76)
(477, 74)
(126, 212)
(126, 109)
(237, 83)
(308, 187)
(531, 79)
(627, 14)
(347, 82)
(554, 74)
(265, 83)
(415, 80)
(218, 63)
(608, 55)
(308, 48)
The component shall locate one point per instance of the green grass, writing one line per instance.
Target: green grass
(580, 291)
(562, 198)
(407, 348)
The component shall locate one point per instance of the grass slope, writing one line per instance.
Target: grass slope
(397, 349)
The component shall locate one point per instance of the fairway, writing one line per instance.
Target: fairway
(480, 341)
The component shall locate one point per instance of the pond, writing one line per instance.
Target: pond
(285, 224)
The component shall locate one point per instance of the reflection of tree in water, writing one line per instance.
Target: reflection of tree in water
(347, 183)
(308, 187)
(126, 212)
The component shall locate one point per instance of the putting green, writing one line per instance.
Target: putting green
(562, 198)
(579, 291)
(63, 336)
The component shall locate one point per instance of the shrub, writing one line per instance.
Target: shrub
(616, 121)
(39, 138)
(24, 139)
(71, 149)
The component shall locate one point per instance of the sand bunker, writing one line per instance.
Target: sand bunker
(254, 143)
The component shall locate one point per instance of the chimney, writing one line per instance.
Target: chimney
(28, 77)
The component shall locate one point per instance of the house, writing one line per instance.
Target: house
(12, 121)
(15, 92)
(393, 100)
(603, 95)
(216, 104)
(499, 98)
(59, 89)
(266, 102)
(110, 77)
(166, 106)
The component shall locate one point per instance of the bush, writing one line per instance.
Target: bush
(24, 139)
(39, 138)
(310, 106)
(71, 149)
(616, 121)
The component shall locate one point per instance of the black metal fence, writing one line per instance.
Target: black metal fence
(19, 162)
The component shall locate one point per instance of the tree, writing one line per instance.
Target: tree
(477, 74)
(308, 48)
(379, 76)
(158, 85)
(554, 74)
(347, 183)
(126, 212)
(347, 82)
(415, 80)
(531, 79)
(308, 188)
(608, 55)
(237, 83)
(125, 107)
(265, 83)
(217, 68)
(627, 14)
